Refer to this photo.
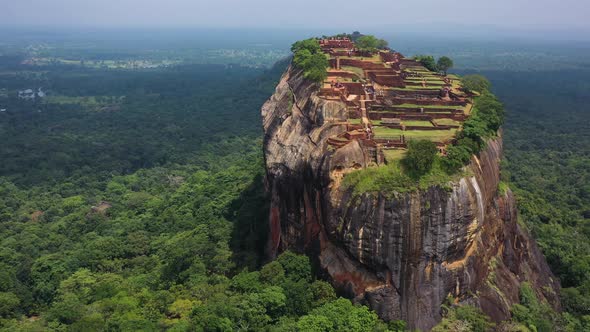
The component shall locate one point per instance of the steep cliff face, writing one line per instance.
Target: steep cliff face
(401, 255)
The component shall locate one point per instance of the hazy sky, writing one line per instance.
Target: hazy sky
(343, 14)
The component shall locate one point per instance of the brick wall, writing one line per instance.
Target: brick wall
(390, 79)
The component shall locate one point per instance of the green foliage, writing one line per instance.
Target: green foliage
(530, 312)
(9, 303)
(427, 61)
(491, 111)
(464, 318)
(419, 157)
(308, 56)
(386, 179)
(272, 273)
(486, 119)
(186, 207)
(444, 63)
(478, 321)
(339, 316)
(393, 178)
(297, 267)
(397, 326)
(322, 292)
(369, 43)
(311, 45)
(548, 169)
(475, 83)
(575, 301)
(178, 244)
(312, 323)
(246, 282)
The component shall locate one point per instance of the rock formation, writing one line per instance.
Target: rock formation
(402, 255)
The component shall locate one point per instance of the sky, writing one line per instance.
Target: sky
(539, 16)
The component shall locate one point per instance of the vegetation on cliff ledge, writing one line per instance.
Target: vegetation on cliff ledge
(395, 177)
(486, 119)
(308, 56)
(422, 167)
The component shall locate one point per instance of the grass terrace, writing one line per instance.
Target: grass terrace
(379, 122)
(415, 88)
(384, 132)
(358, 71)
(427, 79)
(431, 135)
(392, 155)
(417, 69)
(376, 58)
(418, 123)
(430, 106)
(392, 178)
(339, 79)
(447, 122)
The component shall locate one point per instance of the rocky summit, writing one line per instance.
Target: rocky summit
(404, 252)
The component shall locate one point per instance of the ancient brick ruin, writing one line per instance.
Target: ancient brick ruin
(390, 99)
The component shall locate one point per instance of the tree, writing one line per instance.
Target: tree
(456, 157)
(427, 61)
(310, 45)
(490, 110)
(316, 68)
(475, 83)
(420, 157)
(313, 323)
(444, 63)
(297, 267)
(475, 317)
(475, 128)
(8, 304)
(308, 55)
(246, 282)
(370, 43)
(272, 273)
(323, 293)
(342, 315)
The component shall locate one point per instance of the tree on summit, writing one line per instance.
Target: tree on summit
(475, 83)
(427, 61)
(370, 43)
(444, 63)
(420, 156)
(307, 55)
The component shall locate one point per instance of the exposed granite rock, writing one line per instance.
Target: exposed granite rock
(401, 255)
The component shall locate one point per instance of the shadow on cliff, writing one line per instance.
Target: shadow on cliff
(249, 212)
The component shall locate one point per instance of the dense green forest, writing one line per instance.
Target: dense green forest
(134, 200)
(547, 137)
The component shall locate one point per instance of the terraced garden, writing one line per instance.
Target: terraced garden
(403, 100)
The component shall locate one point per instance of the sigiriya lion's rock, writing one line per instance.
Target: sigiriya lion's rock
(402, 254)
